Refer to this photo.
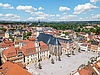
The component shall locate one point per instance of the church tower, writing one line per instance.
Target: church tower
(7, 34)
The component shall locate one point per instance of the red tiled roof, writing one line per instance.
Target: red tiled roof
(83, 72)
(32, 38)
(43, 46)
(10, 52)
(9, 68)
(7, 43)
(30, 48)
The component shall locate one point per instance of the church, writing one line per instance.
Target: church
(52, 42)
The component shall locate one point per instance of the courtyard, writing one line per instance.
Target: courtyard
(66, 66)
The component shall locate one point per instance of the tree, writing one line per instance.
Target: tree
(77, 34)
(29, 33)
(98, 30)
(40, 67)
(10, 37)
(59, 58)
(92, 61)
(24, 35)
(89, 62)
(89, 41)
(4, 29)
(66, 33)
(11, 26)
(52, 61)
(70, 73)
(24, 26)
(79, 50)
(12, 29)
(72, 52)
(13, 39)
(21, 28)
(27, 37)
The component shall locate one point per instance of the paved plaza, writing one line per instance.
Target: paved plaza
(66, 66)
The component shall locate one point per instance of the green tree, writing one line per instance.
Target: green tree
(4, 29)
(72, 52)
(27, 37)
(12, 26)
(66, 33)
(79, 50)
(98, 30)
(52, 61)
(70, 73)
(24, 35)
(24, 26)
(59, 58)
(40, 67)
(29, 33)
(89, 62)
(92, 61)
(13, 39)
(12, 29)
(89, 41)
(10, 37)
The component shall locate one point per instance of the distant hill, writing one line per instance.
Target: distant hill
(53, 22)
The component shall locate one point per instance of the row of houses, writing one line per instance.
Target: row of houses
(90, 69)
(94, 46)
(26, 52)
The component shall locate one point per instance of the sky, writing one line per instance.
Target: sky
(50, 10)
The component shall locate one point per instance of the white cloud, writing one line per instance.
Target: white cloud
(94, 1)
(26, 8)
(68, 17)
(36, 18)
(64, 13)
(91, 18)
(64, 8)
(40, 8)
(33, 11)
(85, 19)
(97, 16)
(57, 15)
(9, 17)
(42, 14)
(6, 6)
(1, 14)
(82, 8)
(12, 15)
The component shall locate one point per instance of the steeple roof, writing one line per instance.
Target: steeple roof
(48, 39)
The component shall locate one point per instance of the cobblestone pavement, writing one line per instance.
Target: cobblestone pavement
(66, 66)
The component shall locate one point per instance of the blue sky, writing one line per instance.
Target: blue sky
(50, 10)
